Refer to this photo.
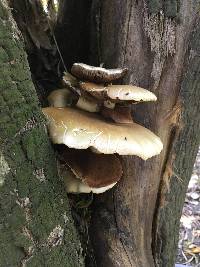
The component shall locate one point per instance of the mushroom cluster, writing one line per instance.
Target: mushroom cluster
(90, 119)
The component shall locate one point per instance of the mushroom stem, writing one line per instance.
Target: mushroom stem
(87, 104)
(120, 114)
(61, 98)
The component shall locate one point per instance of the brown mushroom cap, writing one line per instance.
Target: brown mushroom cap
(75, 185)
(120, 114)
(95, 170)
(97, 74)
(81, 130)
(118, 93)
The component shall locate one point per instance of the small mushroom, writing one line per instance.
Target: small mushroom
(81, 130)
(69, 80)
(98, 172)
(118, 93)
(75, 185)
(97, 74)
(61, 98)
(88, 103)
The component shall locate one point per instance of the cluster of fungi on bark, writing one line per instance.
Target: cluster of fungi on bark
(89, 143)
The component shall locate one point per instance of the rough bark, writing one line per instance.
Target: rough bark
(136, 223)
(37, 31)
(35, 219)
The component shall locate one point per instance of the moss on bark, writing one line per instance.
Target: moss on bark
(35, 220)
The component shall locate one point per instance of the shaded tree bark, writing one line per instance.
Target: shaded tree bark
(136, 223)
(35, 219)
(73, 27)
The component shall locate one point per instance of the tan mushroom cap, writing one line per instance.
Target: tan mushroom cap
(95, 170)
(81, 130)
(118, 93)
(61, 98)
(88, 103)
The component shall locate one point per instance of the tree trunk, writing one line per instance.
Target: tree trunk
(136, 223)
(35, 219)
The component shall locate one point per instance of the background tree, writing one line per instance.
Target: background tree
(136, 223)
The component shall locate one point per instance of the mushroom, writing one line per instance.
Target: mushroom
(74, 185)
(69, 80)
(82, 130)
(97, 74)
(118, 93)
(61, 98)
(88, 103)
(92, 172)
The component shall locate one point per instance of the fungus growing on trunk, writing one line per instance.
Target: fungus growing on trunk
(61, 98)
(88, 103)
(118, 93)
(97, 74)
(91, 172)
(88, 161)
(82, 130)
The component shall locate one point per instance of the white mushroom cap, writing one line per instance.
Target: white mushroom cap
(81, 130)
(118, 93)
(129, 92)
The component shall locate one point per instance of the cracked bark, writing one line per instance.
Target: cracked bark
(35, 219)
(136, 223)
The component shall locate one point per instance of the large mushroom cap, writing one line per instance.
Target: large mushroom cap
(81, 130)
(118, 93)
(97, 74)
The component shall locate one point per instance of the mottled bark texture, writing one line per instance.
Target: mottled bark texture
(136, 223)
(35, 219)
(37, 30)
